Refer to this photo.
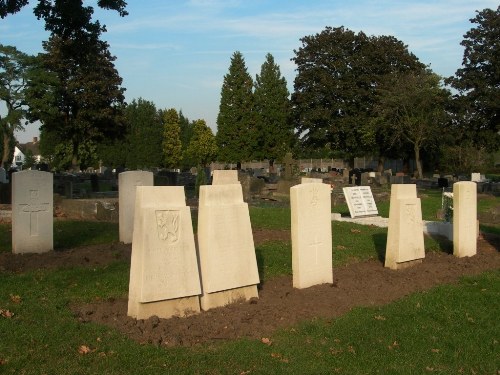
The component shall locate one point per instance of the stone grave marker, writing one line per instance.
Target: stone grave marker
(127, 183)
(311, 234)
(360, 201)
(226, 249)
(309, 180)
(164, 278)
(3, 176)
(405, 236)
(225, 177)
(475, 177)
(32, 212)
(464, 219)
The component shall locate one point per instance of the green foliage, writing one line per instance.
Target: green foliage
(477, 103)
(202, 148)
(413, 108)
(13, 81)
(272, 107)
(145, 133)
(171, 145)
(29, 159)
(82, 100)
(201, 179)
(339, 72)
(236, 133)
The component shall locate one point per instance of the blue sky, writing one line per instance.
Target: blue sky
(176, 53)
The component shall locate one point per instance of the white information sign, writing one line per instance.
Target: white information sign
(360, 201)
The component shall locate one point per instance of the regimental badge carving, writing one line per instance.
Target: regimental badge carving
(167, 222)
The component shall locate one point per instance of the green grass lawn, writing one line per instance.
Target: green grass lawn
(450, 329)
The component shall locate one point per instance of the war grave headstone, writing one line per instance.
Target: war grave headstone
(226, 249)
(127, 183)
(475, 177)
(311, 234)
(464, 219)
(164, 278)
(405, 236)
(360, 201)
(32, 212)
(224, 177)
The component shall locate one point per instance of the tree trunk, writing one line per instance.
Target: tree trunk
(417, 161)
(6, 151)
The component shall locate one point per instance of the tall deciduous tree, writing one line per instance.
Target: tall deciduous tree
(171, 145)
(339, 72)
(478, 82)
(414, 108)
(203, 147)
(13, 81)
(236, 133)
(272, 108)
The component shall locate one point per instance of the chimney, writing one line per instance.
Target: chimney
(35, 139)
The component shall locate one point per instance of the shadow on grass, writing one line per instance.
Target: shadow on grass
(70, 234)
(260, 266)
(444, 244)
(380, 240)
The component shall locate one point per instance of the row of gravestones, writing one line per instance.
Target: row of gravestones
(170, 277)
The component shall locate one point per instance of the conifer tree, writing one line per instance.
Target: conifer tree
(171, 145)
(236, 133)
(272, 110)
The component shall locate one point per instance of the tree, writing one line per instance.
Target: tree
(478, 82)
(171, 145)
(29, 159)
(339, 73)
(236, 133)
(145, 133)
(272, 107)
(13, 81)
(203, 147)
(414, 107)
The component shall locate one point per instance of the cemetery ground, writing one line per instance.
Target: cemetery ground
(66, 311)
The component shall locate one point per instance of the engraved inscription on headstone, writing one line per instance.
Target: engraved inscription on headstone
(360, 201)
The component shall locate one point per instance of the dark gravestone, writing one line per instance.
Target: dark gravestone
(94, 183)
(442, 182)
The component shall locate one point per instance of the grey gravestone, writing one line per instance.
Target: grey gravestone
(3, 176)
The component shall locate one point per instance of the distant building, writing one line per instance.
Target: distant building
(20, 151)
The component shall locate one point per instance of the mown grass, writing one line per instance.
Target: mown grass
(449, 329)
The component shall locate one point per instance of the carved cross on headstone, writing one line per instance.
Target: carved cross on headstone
(33, 209)
(289, 164)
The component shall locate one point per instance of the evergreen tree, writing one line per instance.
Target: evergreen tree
(478, 83)
(171, 145)
(144, 135)
(236, 133)
(272, 109)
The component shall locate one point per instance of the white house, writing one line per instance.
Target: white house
(20, 153)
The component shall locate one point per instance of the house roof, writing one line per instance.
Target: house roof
(33, 146)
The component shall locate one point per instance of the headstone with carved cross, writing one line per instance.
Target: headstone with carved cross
(164, 278)
(405, 234)
(311, 234)
(127, 183)
(32, 212)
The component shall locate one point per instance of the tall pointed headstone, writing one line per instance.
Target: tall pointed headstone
(164, 278)
(405, 235)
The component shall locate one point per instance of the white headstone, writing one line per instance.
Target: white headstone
(32, 212)
(311, 234)
(3, 176)
(360, 201)
(405, 235)
(224, 177)
(127, 183)
(464, 219)
(475, 177)
(310, 180)
(164, 278)
(226, 249)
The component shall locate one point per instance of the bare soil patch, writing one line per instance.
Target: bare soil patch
(279, 304)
